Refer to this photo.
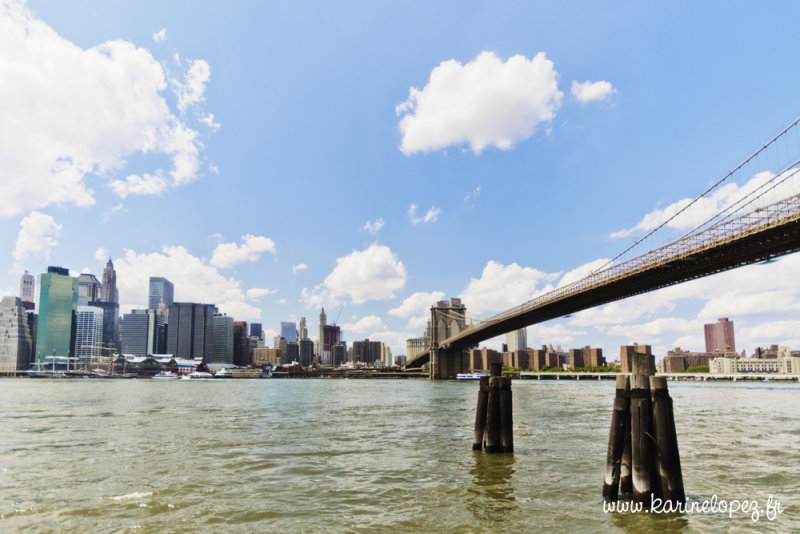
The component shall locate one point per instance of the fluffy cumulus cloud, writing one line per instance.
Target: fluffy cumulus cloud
(592, 91)
(501, 287)
(417, 308)
(256, 293)
(365, 325)
(374, 273)
(582, 272)
(484, 103)
(228, 255)
(38, 234)
(372, 227)
(430, 216)
(763, 188)
(299, 267)
(69, 113)
(191, 90)
(194, 279)
(555, 334)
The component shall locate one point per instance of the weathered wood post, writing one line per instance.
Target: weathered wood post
(643, 367)
(506, 420)
(625, 482)
(493, 440)
(480, 414)
(668, 479)
(617, 439)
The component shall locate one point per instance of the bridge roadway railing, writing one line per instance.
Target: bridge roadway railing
(732, 229)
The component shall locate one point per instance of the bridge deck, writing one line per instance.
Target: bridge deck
(765, 233)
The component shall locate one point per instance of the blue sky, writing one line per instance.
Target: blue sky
(374, 156)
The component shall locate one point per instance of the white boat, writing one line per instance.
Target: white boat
(199, 375)
(469, 376)
(165, 375)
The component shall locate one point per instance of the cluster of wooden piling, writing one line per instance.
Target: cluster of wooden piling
(643, 454)
(493, 423)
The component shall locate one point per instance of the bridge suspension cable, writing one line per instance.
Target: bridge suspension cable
(762, 152)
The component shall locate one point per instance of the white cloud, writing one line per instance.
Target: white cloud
(475, 193)
(299, 267)
(555, 334)
(228, 255)
(430, 216)
(208, 120)
(195, 281)
(592, 91)
(148, 184)
(501, 287)
(113, 91)
(485, 103)
(370, 323)
(417, 308)
(372, 228)
(38, 235)
(582, 272)
(653, 331)
(785, 332)
(160, 36)
(374, 273)
(256, 293)
(190, 91)
(281, 301)
(101, 254)
(417, 304)
(721, 198)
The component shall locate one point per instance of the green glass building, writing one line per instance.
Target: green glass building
(58, 303)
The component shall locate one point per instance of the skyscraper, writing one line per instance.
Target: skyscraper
(190, 330)
(161, 291)
(320, 348)
(517, 340)
(241, 344)
(89, 289)
(302, 331)
(719, 336)
(108, 291)
(223, 340)
(289, 331)
(141, 332)
(256, 331)
(27, 285)
(15, 337)
(88, 335)
(58, 302)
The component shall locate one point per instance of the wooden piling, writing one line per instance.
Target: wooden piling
(506, 421)
(480, 414)
(617, 439)
(643, 367)
(625, 482)
(493, 440)
(668, 478)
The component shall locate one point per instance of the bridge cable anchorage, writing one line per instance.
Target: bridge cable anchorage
(702, 195)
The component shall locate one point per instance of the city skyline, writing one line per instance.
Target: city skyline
(307, 170)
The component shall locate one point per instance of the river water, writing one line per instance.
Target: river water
(369, 456)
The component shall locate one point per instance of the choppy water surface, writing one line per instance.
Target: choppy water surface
(368, 456)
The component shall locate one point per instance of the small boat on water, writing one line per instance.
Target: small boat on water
(198, 375)
(469, 376)
(165, 375)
